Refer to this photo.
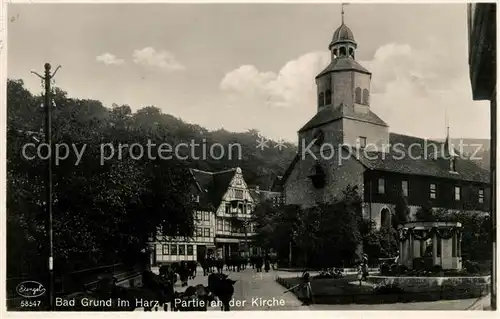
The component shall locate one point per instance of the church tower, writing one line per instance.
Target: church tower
(344, 81)
(343, 98)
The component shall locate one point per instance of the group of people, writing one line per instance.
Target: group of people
(236, 262)
(267, 260)
(185, 269)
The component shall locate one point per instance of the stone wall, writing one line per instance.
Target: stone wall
(343, 86)
(377, 135)
(299, 190)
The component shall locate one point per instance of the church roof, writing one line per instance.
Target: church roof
(343, 64)
(213, 185)
(342, 34)
(421, 162)
(329, 114)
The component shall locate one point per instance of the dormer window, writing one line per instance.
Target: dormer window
(452, 165)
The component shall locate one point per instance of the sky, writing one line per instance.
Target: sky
(252, 66)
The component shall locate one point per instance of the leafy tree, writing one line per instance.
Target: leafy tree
(425, 213)
(107, 213)
(401, 210)
(323, 235)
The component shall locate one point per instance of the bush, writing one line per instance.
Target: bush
(388, 289)
(385, 269)
(402, 269)
(437, 269)
(471, 267)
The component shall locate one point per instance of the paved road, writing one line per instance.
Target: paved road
(260, 291)
(253, 291)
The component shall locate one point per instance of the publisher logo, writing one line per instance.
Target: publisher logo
(30, 289)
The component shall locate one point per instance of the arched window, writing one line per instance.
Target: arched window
(366, 97)
(385, 217)
(343, 51)
(351, 52)
(328, 97)
(321, 99)
(335, 52)
(357, 95)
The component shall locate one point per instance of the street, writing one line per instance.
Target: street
(259, 291)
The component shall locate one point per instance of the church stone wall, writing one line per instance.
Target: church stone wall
(362, 81)
(299, 190)
(375, 134)
(343, 83)
(332, 132)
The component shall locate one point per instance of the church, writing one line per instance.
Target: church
(346, 144)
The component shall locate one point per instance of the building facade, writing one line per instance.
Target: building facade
(346, 144)
(222, 224)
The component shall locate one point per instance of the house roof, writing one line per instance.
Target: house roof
(260, 196)
(343, 64)
(422, 158)
(213, 185)
(330, 114)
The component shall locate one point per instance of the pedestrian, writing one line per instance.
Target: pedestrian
(365, 271)
(267, 262)
(360, 273)
(306, 288)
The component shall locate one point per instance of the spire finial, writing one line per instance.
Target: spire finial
(446, 122)
(342, 7)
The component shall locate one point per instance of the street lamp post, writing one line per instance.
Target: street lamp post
(294, 234)
(48, 201)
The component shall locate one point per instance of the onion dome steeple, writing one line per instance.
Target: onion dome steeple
(343, 43)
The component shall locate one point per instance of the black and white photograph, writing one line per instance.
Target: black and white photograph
(173, 157)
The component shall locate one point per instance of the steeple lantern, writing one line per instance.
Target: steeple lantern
(343, 43)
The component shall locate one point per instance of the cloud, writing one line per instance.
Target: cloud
(109, 59)
(407, 83)
(161, 59)
(293, 84)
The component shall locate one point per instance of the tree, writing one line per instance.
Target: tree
(401, 210)
(425, 213)
(323, 235)
(106, 213)
(101, 212)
